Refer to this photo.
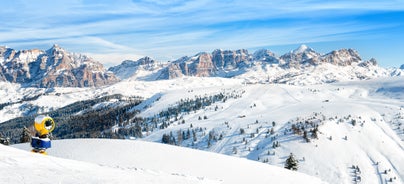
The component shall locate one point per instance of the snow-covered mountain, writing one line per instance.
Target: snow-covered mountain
(119, 161)
(341, 128)
(301, 66)
(144, 68)
(303, 55)
(55, 67)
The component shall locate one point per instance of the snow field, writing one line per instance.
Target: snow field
(374, 144)
(18, 166)
(177, 161)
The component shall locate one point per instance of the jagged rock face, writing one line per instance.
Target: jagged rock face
(17, 65)
(300, 56)
(265, 55)
(145, 61)
(206, 65)
(129, 67)
(53, 68)
(343, 57)
(371, 62)
(173, 71)
(230, 59)
(402, 67)
(202, 67)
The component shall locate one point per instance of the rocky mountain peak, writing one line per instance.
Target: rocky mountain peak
(402, 67)
(301, 49)
(3, 51)
(373, 61)
(130, 63)
(300, 56)
(146, 61)
(265, 55)
(342, 57)
(230, 59)
(54, 67)
(128, 68)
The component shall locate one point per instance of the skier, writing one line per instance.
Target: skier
(43, 125)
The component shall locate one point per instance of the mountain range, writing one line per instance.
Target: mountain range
(54, 67)
(57, 67)
(300, 66)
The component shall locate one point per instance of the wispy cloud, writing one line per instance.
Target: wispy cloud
(167, 29)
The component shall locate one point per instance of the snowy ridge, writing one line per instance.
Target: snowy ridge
(152, 163)
(145, 69)
(25, 167)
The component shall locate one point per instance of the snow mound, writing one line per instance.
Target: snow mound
(18, 166)
(122, 156)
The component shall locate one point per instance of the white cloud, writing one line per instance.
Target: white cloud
(167, 29)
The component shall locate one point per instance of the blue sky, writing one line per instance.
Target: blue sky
(111, 31)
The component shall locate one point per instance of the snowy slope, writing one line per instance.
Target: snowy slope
(54, 98)
(374, 143)
(149, 161)
(18, 166)
(309, 75)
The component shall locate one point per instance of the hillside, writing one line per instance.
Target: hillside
(119, 161)
(339, 132)
(358, 124)
(18, 166)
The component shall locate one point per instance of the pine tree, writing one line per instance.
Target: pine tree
(166, 139)
(305, 136)
(25, 136)
(291, 163)
(179, 137)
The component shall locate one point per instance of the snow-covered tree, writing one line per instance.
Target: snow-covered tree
(291, 163)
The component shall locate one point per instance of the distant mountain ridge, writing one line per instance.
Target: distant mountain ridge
(57, 67)
(225, 61)
(300, 66)
(54, 67)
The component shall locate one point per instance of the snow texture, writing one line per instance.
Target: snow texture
(361, 125)
(120, 161)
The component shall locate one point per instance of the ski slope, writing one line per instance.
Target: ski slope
(374, 144)
(128, 161)
(18, 166)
